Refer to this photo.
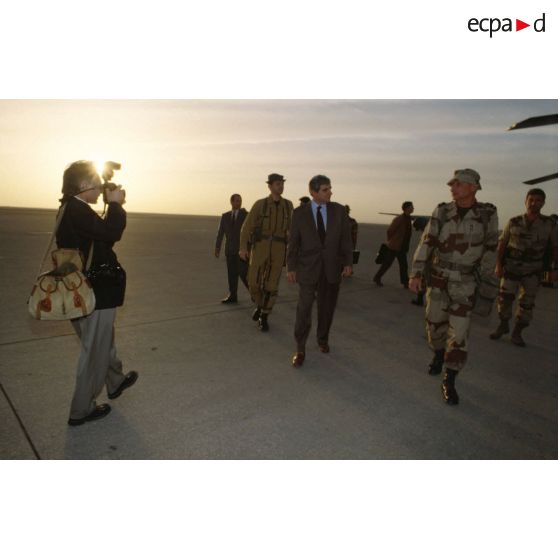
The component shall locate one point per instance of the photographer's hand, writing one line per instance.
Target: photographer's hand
(117, 195)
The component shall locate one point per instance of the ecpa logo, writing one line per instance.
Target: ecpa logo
(493, 25)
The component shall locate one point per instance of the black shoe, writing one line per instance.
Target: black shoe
(257, 313)
(262, 323)
(437, 364)
(502, 329)
(378, 282)
(129, 381)
(417, 302)
(449, 394)
(229, 300)
(97, 413)
(298, 359)
(516, 337)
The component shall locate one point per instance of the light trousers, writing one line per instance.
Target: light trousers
(98, 364)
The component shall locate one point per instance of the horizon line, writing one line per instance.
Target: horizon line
(2, 207)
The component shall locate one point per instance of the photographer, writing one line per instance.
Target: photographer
(83, 229)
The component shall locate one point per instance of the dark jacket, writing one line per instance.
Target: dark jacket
(231, 232)
(305, 253)
(80, 228)
(399, 233)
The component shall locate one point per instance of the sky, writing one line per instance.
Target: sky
(188, 157)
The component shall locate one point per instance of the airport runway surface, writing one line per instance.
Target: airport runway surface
(212, 386)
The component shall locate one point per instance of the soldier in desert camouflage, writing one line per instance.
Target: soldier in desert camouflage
(456, 256)
(520, 263)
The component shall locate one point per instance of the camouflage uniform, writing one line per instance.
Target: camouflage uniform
(525, 244)
(266, 228)
(457, 256)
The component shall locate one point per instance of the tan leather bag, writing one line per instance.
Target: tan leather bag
(63, 293)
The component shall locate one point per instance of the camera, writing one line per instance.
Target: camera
(108, 173)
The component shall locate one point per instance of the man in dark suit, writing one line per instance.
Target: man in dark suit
(319, 253)
(229, 227)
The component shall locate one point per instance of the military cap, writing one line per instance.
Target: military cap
(469, 176)
(274, 177)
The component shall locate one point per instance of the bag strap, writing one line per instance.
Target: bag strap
(90, 257)
(53, 236)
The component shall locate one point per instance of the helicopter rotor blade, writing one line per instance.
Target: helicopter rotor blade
(536, 121)
(541, 179)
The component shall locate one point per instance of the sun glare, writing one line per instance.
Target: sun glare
(99, 165)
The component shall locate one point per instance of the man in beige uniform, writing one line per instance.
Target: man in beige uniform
(520, 263)
(457, 253)
(266, 229)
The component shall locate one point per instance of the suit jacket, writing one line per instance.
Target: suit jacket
(230, 231)
(305, 253)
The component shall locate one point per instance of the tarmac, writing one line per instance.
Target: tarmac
(212, 386)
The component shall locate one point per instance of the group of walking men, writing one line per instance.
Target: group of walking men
(459, 262)
(314, 241)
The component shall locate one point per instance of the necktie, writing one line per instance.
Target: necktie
(321, 227)
(234, 217)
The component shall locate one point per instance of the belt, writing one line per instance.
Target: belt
(525, 259)
(455, 266)
(274, 238)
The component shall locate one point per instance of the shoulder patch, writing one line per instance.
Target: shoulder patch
(441, 204)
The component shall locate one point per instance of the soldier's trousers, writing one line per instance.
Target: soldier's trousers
(528, 285)
(266, 265)
(448, 318)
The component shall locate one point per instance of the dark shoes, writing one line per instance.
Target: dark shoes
(324, 347)
(257, 313)
(262, 323)
(378, 281)
(516, 338)
(298, 360)
(129, 380)
(103, 410)
(502, 329)
(99, 412)
(435, 367)
(229, 300)
(449, 394)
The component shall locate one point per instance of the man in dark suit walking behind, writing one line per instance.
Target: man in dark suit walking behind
(229, 227)
(319, 253)
(398, 239)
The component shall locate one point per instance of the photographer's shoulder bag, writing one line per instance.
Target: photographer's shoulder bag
(64, 292)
